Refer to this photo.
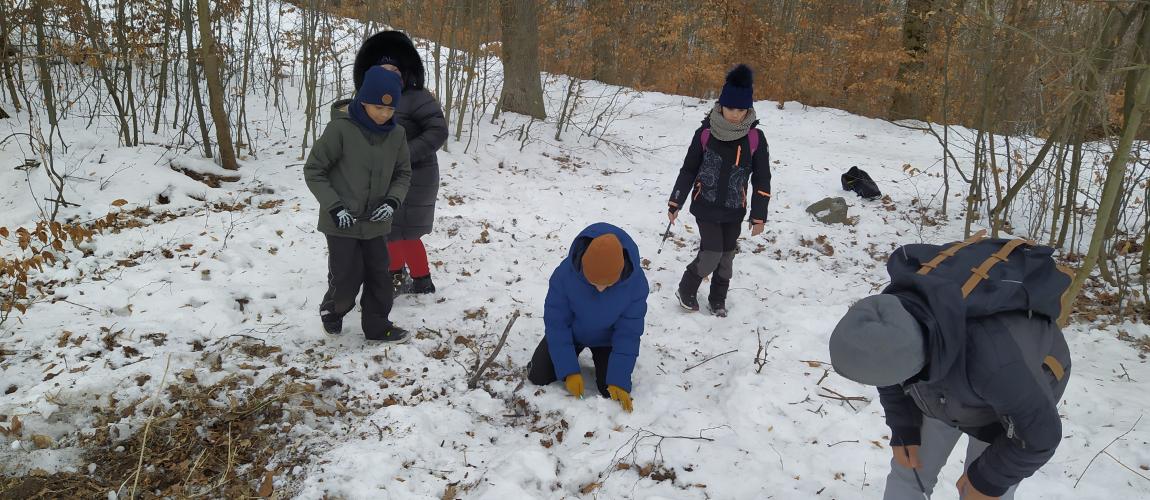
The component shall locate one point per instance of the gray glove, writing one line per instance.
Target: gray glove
(343, 219)
(384, 212)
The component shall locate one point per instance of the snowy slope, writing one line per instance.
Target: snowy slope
(720, 429)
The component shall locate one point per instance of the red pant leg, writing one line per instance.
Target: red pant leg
(416, 257)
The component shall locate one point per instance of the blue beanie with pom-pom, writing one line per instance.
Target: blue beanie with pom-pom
(739, 91)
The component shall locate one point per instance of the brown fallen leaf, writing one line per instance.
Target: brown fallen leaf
(15, 427)
(41, 441)
(268, 485)
(589, 487)
(389, 373)
(449, 492)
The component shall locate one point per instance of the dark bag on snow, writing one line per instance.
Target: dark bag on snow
(995, 275)
(857, 180)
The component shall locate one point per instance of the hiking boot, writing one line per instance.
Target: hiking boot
(422, 285)
(688, 301)
(718, 309)
(689, 290)
(717, 300)
(332, 326)
(394, 335)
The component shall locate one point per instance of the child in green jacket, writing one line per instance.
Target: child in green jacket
(359, 170)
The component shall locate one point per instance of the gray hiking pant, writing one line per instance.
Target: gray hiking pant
(716, 249)
(938, 439)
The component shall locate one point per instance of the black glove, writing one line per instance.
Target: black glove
(672, 208)
(343, 219)
(385, 211)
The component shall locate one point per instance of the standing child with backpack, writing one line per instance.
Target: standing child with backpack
(726, 152)
(359, 171)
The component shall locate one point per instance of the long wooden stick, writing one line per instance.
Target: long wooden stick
(1103, 450)
(474, 382)
(710, 358)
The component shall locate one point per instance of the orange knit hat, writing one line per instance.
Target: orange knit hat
(603, 260)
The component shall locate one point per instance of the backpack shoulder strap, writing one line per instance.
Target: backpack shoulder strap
(950, 251)
(982, 272)
(752, 136)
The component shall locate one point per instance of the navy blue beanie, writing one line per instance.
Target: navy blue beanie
(739, 91)
(380, 86)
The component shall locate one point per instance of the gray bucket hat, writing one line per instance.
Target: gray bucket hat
(877, 342)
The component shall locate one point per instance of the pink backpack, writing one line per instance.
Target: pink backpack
(752, 135)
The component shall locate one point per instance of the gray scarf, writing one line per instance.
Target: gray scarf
(726, 131)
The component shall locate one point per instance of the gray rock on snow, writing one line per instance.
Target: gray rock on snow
(830, 211)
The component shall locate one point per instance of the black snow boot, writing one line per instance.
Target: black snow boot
(689, 290)
(422, 285)
(717, 300)
(332, 325)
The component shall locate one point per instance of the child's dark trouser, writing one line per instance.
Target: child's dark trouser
(542, 369)
(716, 257)
(350, 263)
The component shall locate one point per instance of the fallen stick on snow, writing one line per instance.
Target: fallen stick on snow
(1103, 450)
(841, 442)
(474, 382)
(710, 358)
(846, 399)
(1127, 467)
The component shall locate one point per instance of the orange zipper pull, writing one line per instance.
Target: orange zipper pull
(738, 155)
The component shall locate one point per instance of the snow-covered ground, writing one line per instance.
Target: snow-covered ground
(242, 265)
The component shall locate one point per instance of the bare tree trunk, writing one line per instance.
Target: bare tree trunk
(310, 73)
(916, 38)
(163, 68)
(974, 192)
(1059, 193)
(993, 155)
(438, 56)
(241, 121)
(193, 78)
(126, 60)
(1071, 199)
(7, 53)
(452, 68)
(46, 84)
(946, 124)
(1116, 171)
(215, 87)
(1144, 262)
(567, 108)
(602, 53)
(96, 33)
(522, 89)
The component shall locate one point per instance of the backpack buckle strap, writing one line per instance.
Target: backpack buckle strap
(950, 252)
(982, 272)
(1055, 367)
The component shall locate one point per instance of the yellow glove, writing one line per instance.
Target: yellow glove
(623, 397)
(575, 385)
